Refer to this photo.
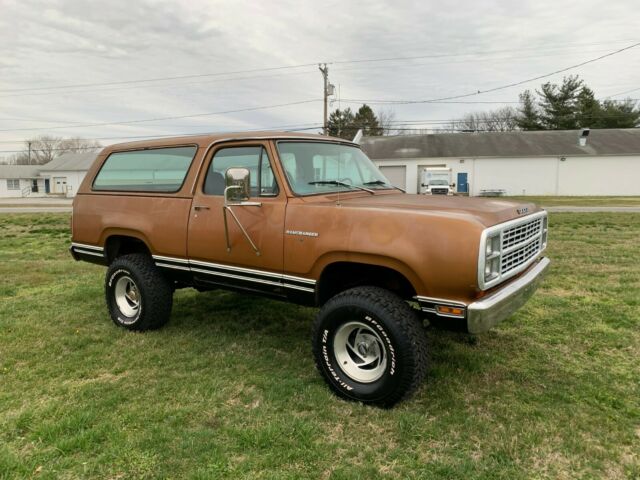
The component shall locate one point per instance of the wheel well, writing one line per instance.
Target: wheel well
(341, 276)
(118, 245)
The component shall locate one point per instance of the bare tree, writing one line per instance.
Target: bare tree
(503, 119)
(386, 120)
(44, 148)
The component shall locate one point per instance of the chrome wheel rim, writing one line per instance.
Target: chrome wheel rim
(360, 352)
(127, 298)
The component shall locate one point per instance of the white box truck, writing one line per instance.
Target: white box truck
(436, 181)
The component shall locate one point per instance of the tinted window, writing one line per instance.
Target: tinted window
(157, 170)
(263, 182)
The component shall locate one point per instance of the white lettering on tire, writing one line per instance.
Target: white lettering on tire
(333, 373)
(392, 352)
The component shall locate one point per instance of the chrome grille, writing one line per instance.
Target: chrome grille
(439, 191)
(509, 248)
(520, 255)
(520, 233)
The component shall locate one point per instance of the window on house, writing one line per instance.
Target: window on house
(34, 186)
(13, 184)
(154, 170)
(263, 181)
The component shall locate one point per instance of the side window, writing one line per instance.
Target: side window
(154, 170)
(263, 181)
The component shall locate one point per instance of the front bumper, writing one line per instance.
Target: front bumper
(491, 310)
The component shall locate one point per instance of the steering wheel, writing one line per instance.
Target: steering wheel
(346, 180)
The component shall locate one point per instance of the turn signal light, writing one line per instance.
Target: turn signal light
(446, 310)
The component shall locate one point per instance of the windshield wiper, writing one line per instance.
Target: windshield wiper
(341, 184)
(380, 182)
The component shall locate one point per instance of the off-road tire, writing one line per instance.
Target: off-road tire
(155, 292)
(399, 330)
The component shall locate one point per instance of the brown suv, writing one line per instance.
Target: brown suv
(305, 219)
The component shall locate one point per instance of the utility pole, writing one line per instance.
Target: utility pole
(29, 152)
(328, 90)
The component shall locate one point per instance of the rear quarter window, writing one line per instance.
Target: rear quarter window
(155, 170)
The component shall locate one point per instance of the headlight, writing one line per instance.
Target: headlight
(545, 230)
(493, 245)
(492, 258)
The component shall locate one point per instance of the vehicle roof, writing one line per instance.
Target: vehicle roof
(208, 139)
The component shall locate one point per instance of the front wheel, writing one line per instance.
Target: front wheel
(370, 346)
(138, 296)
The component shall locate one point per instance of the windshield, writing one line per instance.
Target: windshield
(438, 182)
(322, 167)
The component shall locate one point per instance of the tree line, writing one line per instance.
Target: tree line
(568, 105)
(44, 148)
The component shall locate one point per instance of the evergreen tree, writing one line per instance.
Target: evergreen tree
(558, 104)
(366, 120)
(624, 114)
(569, 106)
(588, 110)
(345, 124)
(527, 117)
(340, 124)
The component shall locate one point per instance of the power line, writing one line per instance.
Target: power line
(514, 84)
(395, 102)
(472, 102)
(311, 126)
(289, 127)
(297, 129)
(159, 79)
(20, 91)
(317, 127)
(106, 90)
(471, 53)
(175, 117)
(622, 93)
(251, 77)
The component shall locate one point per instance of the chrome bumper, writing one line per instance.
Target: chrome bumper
(491, 310)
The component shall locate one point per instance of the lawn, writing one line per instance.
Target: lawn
(551, 201)
(228, 388)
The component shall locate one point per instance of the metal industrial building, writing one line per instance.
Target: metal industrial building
(568, 162)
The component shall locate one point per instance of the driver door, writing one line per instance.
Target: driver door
(239, 266)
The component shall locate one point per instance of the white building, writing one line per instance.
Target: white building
(65, 173)
(21, 181)
(606, 162)
(60, 177)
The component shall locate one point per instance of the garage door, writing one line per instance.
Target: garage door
(397, 175)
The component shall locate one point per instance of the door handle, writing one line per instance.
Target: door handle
(200, 207)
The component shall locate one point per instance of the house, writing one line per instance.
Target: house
(569, 162)
(21, 181)
(61, 176)
(66, 172)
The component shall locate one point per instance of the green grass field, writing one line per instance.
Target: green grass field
(551, 201)
(228, 389)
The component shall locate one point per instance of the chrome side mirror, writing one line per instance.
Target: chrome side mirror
(236, 194)
(238, 185)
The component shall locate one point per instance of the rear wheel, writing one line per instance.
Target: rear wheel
(138, 296)
(370, 346)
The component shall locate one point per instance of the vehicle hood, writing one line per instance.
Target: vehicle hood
(487, 211)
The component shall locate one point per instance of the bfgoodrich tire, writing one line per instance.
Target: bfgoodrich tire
(138, 296)
(370, 346)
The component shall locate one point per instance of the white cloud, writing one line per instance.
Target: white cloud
(53, 43)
